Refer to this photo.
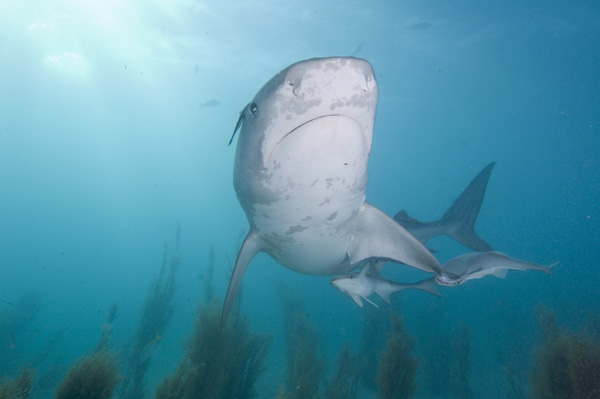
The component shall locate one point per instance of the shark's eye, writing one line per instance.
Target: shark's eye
(253, 108)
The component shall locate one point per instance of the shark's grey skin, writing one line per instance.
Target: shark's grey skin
(359, 286)
(300, 175)
(476, 265)
(459, 220)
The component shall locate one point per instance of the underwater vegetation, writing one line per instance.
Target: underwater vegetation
(218, 364)
(18, 387)
(447, 374)
(397, 371)
(15, 320)
(567, 365)
(345, 382)
(157, 311)
(304, 362)
(94, 376)
(375, 327)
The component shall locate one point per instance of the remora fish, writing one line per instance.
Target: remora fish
(480, 264)
(359, 286)
(300, 174)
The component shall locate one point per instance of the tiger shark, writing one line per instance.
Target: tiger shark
(300, 174)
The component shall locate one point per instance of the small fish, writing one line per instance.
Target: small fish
(241, 119)
(359, 286)
(419, 26)
(8, 303)
(210, 104)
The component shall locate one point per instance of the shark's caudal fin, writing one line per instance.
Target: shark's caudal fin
(459, 220)
(252, 245)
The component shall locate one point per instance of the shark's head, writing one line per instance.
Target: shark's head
(309, 96)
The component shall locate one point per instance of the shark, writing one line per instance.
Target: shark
(300, 175)
(476, 265)
(359, 286)
(458, 222)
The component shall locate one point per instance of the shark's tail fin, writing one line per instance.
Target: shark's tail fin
(462, 214)
(459, 220)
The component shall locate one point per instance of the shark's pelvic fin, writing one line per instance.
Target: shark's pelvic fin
(252, 245)
(376, 235)
(459, 220)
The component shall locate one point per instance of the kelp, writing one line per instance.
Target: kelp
(218, 364)
(397, 371)
(304, 363)
(345, 383)
(15, 320)
(567, 365)
(94, 376)
(157, 312)
(18, 387)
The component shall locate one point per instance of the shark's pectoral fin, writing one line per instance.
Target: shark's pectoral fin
(376, 235)
(252, 245)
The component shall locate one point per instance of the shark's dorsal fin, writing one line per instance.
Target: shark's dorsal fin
(252, 245)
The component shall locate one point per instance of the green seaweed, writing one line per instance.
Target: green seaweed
(218, 364)
(157, 311)
(304, 363)
(15, 320)
(397, 371)
(448, 371)
(94, 376)
(375, 327)
(345, 382)
(18, 387)
(567, 365)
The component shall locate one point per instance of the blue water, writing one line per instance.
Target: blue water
(105, 148)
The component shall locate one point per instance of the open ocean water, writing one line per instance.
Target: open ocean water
(114, 165)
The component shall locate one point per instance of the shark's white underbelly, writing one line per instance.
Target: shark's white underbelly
(319, 173)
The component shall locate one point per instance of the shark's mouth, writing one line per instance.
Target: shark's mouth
(307, 122)
(319, 128)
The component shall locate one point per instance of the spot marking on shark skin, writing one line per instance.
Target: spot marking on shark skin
(296, 229)
(325, 201)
